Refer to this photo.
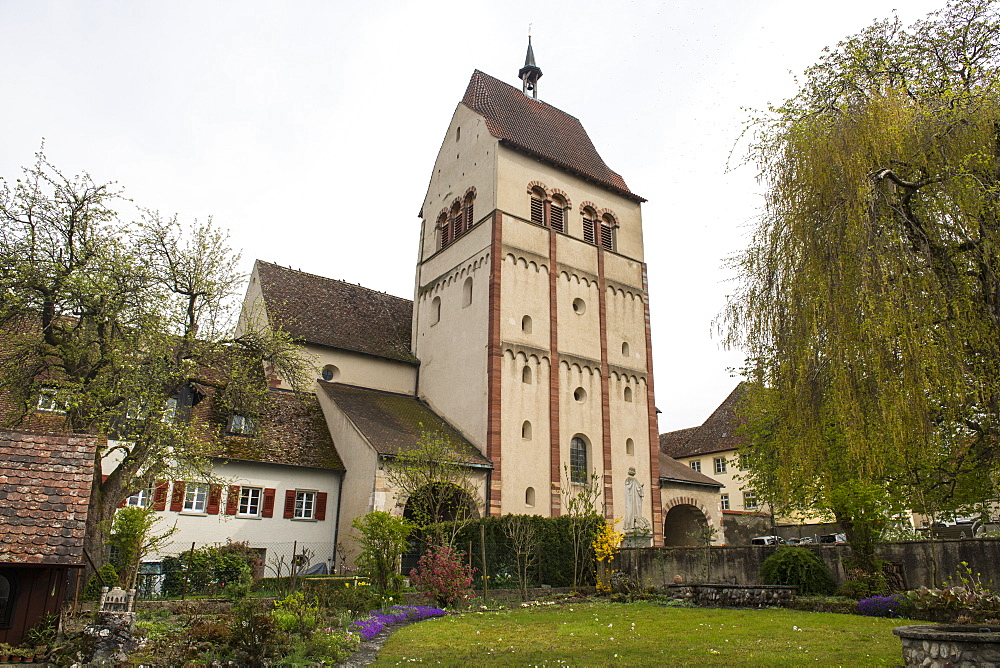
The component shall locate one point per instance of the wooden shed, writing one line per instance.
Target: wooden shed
(45, 483)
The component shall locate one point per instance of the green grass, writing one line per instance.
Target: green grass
(601, 634)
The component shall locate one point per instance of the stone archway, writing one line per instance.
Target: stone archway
(682, 522)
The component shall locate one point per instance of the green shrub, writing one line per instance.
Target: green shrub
(208, 569)
(255, 635)
(336, 596)
(108, 578)
(799, 567)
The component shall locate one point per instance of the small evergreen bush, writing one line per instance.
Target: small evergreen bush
(799, 567)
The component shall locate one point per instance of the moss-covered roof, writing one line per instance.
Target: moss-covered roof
(394, 423)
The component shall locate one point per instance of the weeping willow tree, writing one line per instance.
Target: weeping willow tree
(869, 299)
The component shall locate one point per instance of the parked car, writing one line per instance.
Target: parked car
(833, 538)
(767, 540)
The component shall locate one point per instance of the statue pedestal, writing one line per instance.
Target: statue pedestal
(636, 540)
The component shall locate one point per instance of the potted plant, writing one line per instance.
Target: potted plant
(4, 652)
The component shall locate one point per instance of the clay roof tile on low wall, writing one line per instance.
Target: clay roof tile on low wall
(45, 483)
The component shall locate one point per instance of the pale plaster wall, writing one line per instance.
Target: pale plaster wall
(252, 312)
(626, 323)
(733, 486)
(466, 159)
(629, 420)
(525, 461)
(516, 170)
(362, 370)
(361, 462)
(581, 418)
(452, 350)
(526, 280)
(579, 331)
(276, 533)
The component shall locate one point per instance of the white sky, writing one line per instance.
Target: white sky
(309, 128)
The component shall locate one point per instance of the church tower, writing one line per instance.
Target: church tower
(531, 317)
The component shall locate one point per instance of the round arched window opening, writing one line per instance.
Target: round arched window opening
(625, 348)
(529, 497)
(579, 306)
(526, 431)
(628, 394)
(526, 324)
(331, 372)
(467, 293)
(578, 460)
(629, 446)
(580, 395)
(435, 310)
(526, 375)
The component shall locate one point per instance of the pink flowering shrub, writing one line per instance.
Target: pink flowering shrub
(442, 575)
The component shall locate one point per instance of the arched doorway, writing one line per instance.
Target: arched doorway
(683, 524)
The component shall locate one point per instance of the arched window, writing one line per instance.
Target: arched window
(444, 230)
(435, 310)
(628, 394)
(526, 324)
(578, 460)
(629, 446)
(589, 225)
(526, 431)
(457, 220)
(557, 213)
(529, 497)
(625, 349)
(526, 375)
(608, 227)
(470, 215)
(537, 206)
(467, 292)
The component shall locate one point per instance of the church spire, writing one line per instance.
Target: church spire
(530, 73)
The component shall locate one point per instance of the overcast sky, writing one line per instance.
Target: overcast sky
(309, 129)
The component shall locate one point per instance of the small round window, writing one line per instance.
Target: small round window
(580, 394)
(579, 306)
(331, 372)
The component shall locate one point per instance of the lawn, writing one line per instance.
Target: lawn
(598, 634)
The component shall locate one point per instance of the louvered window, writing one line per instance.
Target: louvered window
(457, 224)
(557, 214)
(589, 233)
(607, 236)
(445, 227)
(470, 218)
(537, 211)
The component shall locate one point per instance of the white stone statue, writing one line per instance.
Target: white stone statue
(633, 502)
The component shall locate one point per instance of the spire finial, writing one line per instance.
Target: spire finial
(530, 73)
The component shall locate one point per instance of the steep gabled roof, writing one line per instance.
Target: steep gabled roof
(672, 470)
(717, 434)
(540, 130)
(336, 314)
(44, 496)
(291, 431)
(394, 423)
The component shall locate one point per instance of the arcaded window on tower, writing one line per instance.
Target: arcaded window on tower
(444, 230)
(538, 206)
(557, 213)
(470, 213)
(608, 226)
(590, 225)
(457, 220)
(578, 460)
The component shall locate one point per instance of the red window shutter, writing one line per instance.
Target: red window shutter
(214, 498)
(177, 498)
(321, 505)
(268, 509)
(233, 500)
(160, 495)
(289, 504)
(537, 211)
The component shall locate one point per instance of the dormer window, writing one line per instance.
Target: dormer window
(241, 425)
(49, 401)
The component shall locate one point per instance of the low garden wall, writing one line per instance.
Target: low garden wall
(733, 596)
(920, 563)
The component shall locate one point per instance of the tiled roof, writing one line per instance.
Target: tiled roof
(717, 434)
(45, 483)
(292, 431)
(336, 314)
(541, 130)
(673, 471)
(394, 423)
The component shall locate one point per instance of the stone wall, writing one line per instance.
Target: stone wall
(954, 645)
(733, 596)
(921, 563)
